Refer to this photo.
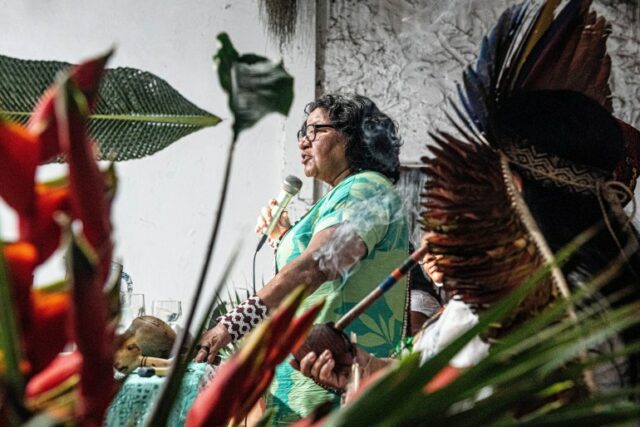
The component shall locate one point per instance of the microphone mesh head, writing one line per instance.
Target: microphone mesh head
(292, 184)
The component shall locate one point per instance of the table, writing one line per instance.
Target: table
(137, 395)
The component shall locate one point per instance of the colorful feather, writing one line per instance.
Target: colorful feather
(468, 201)
(488, 250)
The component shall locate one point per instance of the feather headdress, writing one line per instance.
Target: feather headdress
(474, 213)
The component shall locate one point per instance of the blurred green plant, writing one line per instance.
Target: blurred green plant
(533, 376)
(255, 87)
(242, 380)
(58, 126)
(221, 306)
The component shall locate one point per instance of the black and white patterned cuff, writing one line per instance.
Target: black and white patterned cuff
(244, 317)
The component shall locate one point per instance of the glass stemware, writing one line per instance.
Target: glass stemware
(133, 306)
(167, 310)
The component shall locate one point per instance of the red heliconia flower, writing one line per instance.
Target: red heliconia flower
(215, 406)
(42, 315)
(48, 331)
(286, 337)
(295, 331)
(41, 227)
(245, 376)
(20, 260)
(89, 201)
(93, 333)
(90, 259)
(19, 151)
(54, 389)
(61, 369)
(59, 122)
(47, 319)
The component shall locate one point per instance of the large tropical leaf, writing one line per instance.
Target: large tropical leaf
(255, 85)
(137, 113)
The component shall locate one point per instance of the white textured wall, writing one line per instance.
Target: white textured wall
(165, 206)
(408, 54)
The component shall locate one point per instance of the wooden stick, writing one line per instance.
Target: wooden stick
(383, 287)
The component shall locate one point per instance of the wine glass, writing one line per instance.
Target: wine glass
(167, 310)
(132, 306)
(115, 273)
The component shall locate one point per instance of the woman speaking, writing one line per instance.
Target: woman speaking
(341, 248)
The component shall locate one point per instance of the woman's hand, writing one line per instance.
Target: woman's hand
(430, 267)
(265, 217)
(320, 369)
(211, 342)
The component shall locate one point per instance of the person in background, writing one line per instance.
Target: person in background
(538, 158)
(341, 248)
(428, 302)
(428, 297)
(576, 130)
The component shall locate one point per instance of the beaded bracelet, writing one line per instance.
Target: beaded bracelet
(244, 317)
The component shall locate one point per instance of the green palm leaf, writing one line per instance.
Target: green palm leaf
(537, 360)
(137, 113)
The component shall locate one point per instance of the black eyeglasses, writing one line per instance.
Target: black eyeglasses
(309, 131)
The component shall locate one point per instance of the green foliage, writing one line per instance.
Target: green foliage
(222, 306)
(9, 343)
(255, 85)
(171, 387)
(137, 113)
(265, 421)
(540, 359)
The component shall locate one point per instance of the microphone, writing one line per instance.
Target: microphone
(290, 188)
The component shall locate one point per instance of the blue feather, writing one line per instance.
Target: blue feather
(464, 116)
(521, 27)
(486, 60)
(470, 116)
(478, 99)
(491, 52)
(467, 135)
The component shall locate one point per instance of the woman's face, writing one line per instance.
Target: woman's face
(324, 158)
(431, 269)
(429, 264)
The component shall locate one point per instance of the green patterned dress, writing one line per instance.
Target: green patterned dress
(369, 203)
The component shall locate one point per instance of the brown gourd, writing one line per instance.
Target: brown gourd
(146, 337)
